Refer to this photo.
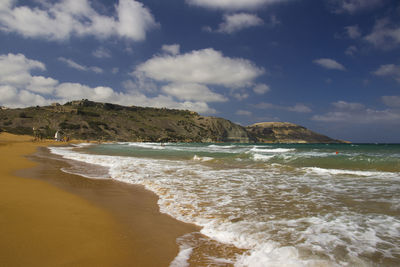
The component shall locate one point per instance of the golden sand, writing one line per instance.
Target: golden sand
(75, 221)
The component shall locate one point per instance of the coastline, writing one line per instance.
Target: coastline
(58, 218)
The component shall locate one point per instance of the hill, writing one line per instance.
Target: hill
(88, 120)
(285, 132)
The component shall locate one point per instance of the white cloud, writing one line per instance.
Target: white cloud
(239, 21)
(140, 83)
(391, 101)
(351, 50)
(357, 113)
(240, 96)
(244, 112)
(101, 52)
(233, 4)
(329, 64)
(384, 35)
(19, 88)
(15, 69)
(60, 21)
(388, 70)
(78, 66)
(192, 91)
(42, 85)
(353, 31)
(261, 89)
(134, 19)
(205, 66)
(299, 107)
(353, 6)
(343, 105)
(171, 49)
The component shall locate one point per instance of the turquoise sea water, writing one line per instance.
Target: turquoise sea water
(268, 204)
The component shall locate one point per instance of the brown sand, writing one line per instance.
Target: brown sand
(67, 220)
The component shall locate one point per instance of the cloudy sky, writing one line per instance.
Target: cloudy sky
(330, 65)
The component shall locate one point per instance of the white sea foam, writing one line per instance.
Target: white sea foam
(276, 213)
(261, 157)
(157, 146)
(272, 150)
(197, 158)
(376, 174)
(182, 259)
(222, 146)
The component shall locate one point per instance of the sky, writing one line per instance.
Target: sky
(332, 66)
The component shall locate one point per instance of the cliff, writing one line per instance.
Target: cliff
(285, 132)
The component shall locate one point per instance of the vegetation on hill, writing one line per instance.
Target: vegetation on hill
(87, 120)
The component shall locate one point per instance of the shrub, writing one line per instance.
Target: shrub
(66, 125)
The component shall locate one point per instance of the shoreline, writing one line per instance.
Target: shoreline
(57, 218)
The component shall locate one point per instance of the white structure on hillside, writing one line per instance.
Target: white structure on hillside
(57, 136)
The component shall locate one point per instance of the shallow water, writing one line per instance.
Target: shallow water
(267, 205)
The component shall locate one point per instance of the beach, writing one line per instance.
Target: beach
(188, 204)
(52, 218)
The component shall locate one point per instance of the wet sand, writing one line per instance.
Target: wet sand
(51, 218)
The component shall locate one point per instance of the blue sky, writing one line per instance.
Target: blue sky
(330, 65)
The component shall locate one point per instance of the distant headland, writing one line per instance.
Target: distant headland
(88, 120)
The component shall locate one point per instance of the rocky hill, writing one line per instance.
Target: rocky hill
(285, 132)
(87, 120)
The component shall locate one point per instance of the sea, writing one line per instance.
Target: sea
(265, 204)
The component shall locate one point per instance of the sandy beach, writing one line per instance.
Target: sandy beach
(51, 218)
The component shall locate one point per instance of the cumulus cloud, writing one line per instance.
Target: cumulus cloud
(42, 85)
(329, 64)
(236, 22)
(388, 70)
(61, 20)
(20, 88)
(357, 113)
(15, 69)
(299, 107)
(205, 66)
(192, 91)
(233, 4)
(261, 89)
(188, 77)
(77, 66)
(353, 6)
(384, 34)
(171, 49)
(353, 31)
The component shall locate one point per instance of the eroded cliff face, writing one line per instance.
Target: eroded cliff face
(221, 130)
(285, 132)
